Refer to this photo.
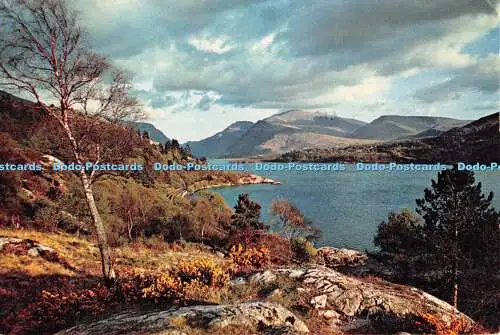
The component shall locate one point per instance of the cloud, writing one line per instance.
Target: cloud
(482, 76)
(204, 55)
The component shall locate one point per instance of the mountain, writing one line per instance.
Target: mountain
(316, 122)
(155, 134)
(398, 126)
(477, 141)
(295, 130)
(218, 144)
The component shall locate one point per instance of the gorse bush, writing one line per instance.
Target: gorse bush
(249, 260)
(457, 326)
(162, 287)
(204, 271)
(196, 279)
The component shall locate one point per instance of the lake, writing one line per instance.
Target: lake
(346, 205)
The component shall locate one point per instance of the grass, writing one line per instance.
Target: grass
(23, 278)
(84, 256)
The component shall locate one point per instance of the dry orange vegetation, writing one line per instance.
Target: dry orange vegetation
(47, 295)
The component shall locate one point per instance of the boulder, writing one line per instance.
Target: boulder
(238, 281)
(357, 297)
(28, 247)
(335, 257)
(319, 301)
(265, 277)
(198, 318)
(9, 240)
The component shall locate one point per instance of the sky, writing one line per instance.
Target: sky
(200, 65)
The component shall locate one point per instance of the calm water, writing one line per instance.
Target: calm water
(347, 205)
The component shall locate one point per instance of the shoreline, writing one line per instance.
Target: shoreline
(251, 179)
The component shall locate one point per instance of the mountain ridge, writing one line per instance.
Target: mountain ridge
(393, 126)
(297, 129)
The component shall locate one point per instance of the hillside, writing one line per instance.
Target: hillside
(50, 283)
(396, 126)
(218, 144)
(294, 130)
(316, 122)
(297, 130)
(477, 141)
(155, 134)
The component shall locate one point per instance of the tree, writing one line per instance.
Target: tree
(400, 241)
(461, 228)
(246, 214)
(246, 218)
(43, 53)
(294, 223)
(455, 249)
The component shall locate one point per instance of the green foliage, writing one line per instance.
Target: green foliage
(246, 214)
(455, 250)
(402, 232)
(303, 249)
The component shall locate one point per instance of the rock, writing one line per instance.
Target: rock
(265, 277)
(200, 318)
(219, 254)
(238, 281)
(41, 250)
(329, 314)
(28, 247)
(355, 297)
(292, 273)
(275, 293)
(319, 301)
(356, 324)
(48, 161)
(334, 257)
(8, 240)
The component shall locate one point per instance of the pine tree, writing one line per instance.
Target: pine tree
(246, 214)
(453, 251)
(461, 229)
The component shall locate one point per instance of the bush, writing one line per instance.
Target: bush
(457, 326)
(197, 279)
(249, 260)
(203, 271)
(303, 249)
(61, 308)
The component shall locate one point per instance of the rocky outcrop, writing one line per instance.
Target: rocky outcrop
(261, 315)
(28, 247)
(334, 257)
(356, 303)
(255, 179)
(19, 246)
(354, 296)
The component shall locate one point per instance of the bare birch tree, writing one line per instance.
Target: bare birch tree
(43, 52)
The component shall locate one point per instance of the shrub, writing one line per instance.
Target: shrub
(195, 279)
(457, 326)
(61, 308)
(205, 270)
(303, 249)
(163, 287)
(249, 260)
